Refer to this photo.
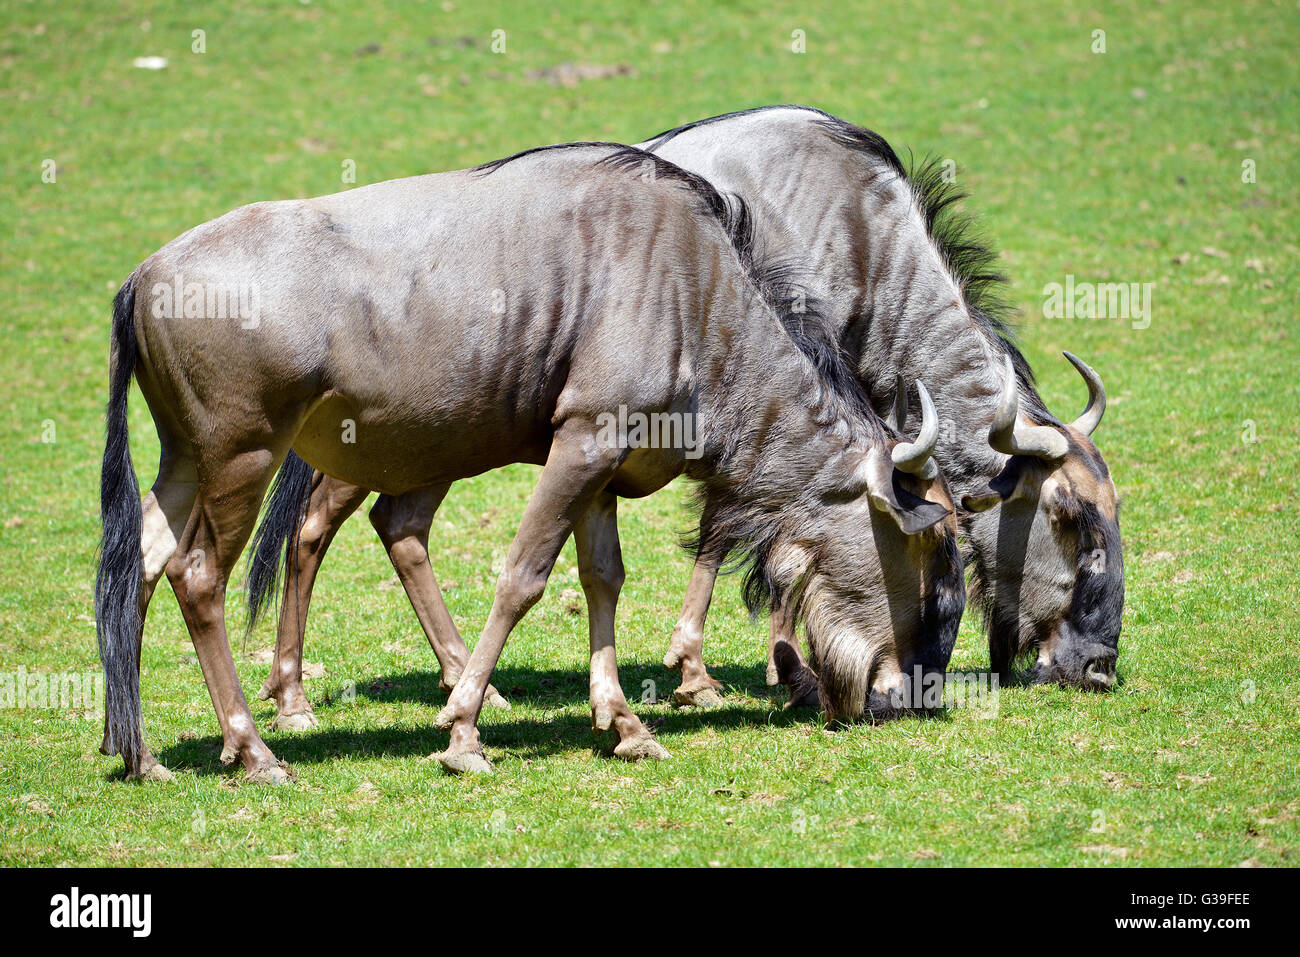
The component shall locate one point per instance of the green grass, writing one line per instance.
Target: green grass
(1123, 166)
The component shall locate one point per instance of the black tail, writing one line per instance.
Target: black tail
(117, 584)
(276, 539)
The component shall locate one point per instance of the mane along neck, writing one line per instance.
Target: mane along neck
(778, 432)
(927, 306)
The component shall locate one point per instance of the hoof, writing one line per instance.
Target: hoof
(672, 660)
(464, 762)
(266, 692)
(494, 699)
(444, 719)
(773, 678)
(706, 697)
(272, 774)
(302, 721)
(640, 747)
(229, 755)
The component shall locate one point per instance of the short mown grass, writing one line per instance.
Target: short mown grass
(1122, 166)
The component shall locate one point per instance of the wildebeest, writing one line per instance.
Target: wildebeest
(414, 332)
(911, 295)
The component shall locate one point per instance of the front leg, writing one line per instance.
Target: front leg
(784, 663)
(577, 470)
(600, 568)
(686, 650)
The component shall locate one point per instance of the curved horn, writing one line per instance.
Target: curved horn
(1009, 437)
(898, 415)
(1091, 418)
(914, 457)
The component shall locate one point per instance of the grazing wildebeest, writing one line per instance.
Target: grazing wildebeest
(411, 333)
(911, 295)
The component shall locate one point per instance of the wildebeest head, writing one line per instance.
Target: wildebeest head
(872, 621)
(1048, 564)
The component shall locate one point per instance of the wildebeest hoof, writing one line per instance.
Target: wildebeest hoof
(272, 774)
(773, 677)
(641, 746)
(229, 754)
(465, 762)
(601, 719)
(299, 721)
(445, 719)
(672, 660)
(268, 689)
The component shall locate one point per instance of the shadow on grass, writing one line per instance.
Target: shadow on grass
(557, 688)
(527, 736)
(522, 733)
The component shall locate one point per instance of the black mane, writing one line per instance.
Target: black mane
(738, 518)
(969, 257)
(779, 282)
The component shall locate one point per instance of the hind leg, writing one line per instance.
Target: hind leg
(218, 528)
(600, 568)
(403, 525)
(331, 503)
(165, 510)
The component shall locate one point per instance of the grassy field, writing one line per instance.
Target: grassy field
(1171, 158)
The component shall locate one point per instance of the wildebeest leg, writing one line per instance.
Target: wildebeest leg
(600, 569)
(577, 468)
(218, 528)
(784, 663)
(686, 650)
(165, 510)
(403, 525)
(331, 502)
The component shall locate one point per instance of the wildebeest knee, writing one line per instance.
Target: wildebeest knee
(603, 577)
(521, 586)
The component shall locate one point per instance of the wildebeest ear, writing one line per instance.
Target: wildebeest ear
(879, 479)
(981, 500)
(998, 489)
